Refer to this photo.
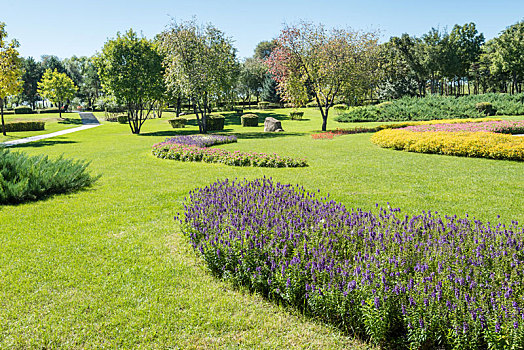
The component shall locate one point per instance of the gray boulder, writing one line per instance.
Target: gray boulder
(272, 125)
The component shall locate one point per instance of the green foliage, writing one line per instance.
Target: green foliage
(312, 104)
(436, 107)
(249, 120)
(215, 122)
(32, 74)
(24, 126)
(122, 119)
(25, 178)
(178, 123)
(269, 90)
(130, 69)
(56, 87)
(23, 110)
(296, 115)
(49, 110)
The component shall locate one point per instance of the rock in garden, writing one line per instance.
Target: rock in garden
(272, 125)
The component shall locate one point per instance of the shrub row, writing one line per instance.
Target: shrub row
(215, 155)
(419, 282)
(23, 110)
(465, 144)
(24, 126)
(437, 107)
(25, 178)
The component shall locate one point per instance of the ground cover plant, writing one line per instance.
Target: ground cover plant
(435, 107)
(107, 267)
(25, 178)
(421, 281)
(484, 140)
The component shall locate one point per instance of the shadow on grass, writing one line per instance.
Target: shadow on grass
(41, 143)
(70, 121)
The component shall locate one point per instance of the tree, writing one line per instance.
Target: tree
(130, 68)
(32, 75)
(309, 59)
(507, 56)
(264, 49)
(10, 70)
(251, 80)
(52, 62)
(269, 90)
(57, 88)
(199, 61)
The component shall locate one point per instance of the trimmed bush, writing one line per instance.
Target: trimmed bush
(215, 122)
(263, 105)
(24, 126)
(27, 178)
(296, 115)
(249, 120)
(178, 123)
(403, 281)
(485, 108)
(465, 144)
(23, 110)
(48, 110)
(122, 119)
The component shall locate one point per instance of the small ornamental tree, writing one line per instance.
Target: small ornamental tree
(309, 59)
(10, 70)
(57, 88)
(130, 68)
(199, 62)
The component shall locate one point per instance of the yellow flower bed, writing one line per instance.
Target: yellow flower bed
(465, 144)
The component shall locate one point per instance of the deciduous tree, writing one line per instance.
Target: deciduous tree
(10, 70)
(56, 87)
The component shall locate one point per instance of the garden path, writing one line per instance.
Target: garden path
(88, 120)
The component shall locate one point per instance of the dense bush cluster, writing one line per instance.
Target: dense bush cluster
(249, 119)
(466, 144)
(24, 178)
(24, 126)
(423, 281)
(437, 107)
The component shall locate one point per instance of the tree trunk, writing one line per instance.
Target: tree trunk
(60, 109)
(178, 105)
(2, 112)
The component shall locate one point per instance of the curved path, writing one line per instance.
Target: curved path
(88, 120)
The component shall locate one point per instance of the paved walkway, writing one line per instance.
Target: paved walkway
(88, 119)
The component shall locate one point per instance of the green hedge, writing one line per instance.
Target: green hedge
(24, 126)
(178, 123)
(296, 115)
(437, 107)
(49, 110)
(215, 122)
(122, 119)
(26, 178)
(263, 105)
(249, 120)
(23, 110)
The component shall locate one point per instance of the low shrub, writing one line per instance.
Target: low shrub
(23, 110)
(201, 140)
(437, 107)
(27, 178)
(418, 282)
(296, 115)
(249, 120)
(485, 108)
(49, 110)
(24, 126)
(466, 144)
(122, 119)
(340, 107)
(215, 122)
(178, 123)
(186, 153)
(263, 105)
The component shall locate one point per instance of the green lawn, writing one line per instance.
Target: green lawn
(53, 123)
(108, 268)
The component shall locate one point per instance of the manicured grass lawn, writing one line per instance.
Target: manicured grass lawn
(108, 267)
(53, 123)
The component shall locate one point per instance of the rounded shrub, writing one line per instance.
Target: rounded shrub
(263, 105)
(178, 123)
(23, 110)
(485, 108)
(215, 122)
(122, 119)
(249, 120)
(296, 115)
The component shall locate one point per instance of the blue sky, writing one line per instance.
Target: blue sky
(66, 28)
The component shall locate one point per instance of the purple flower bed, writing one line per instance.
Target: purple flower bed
(423, 281)
(215, 155)
(500, 126)
(201, 140)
